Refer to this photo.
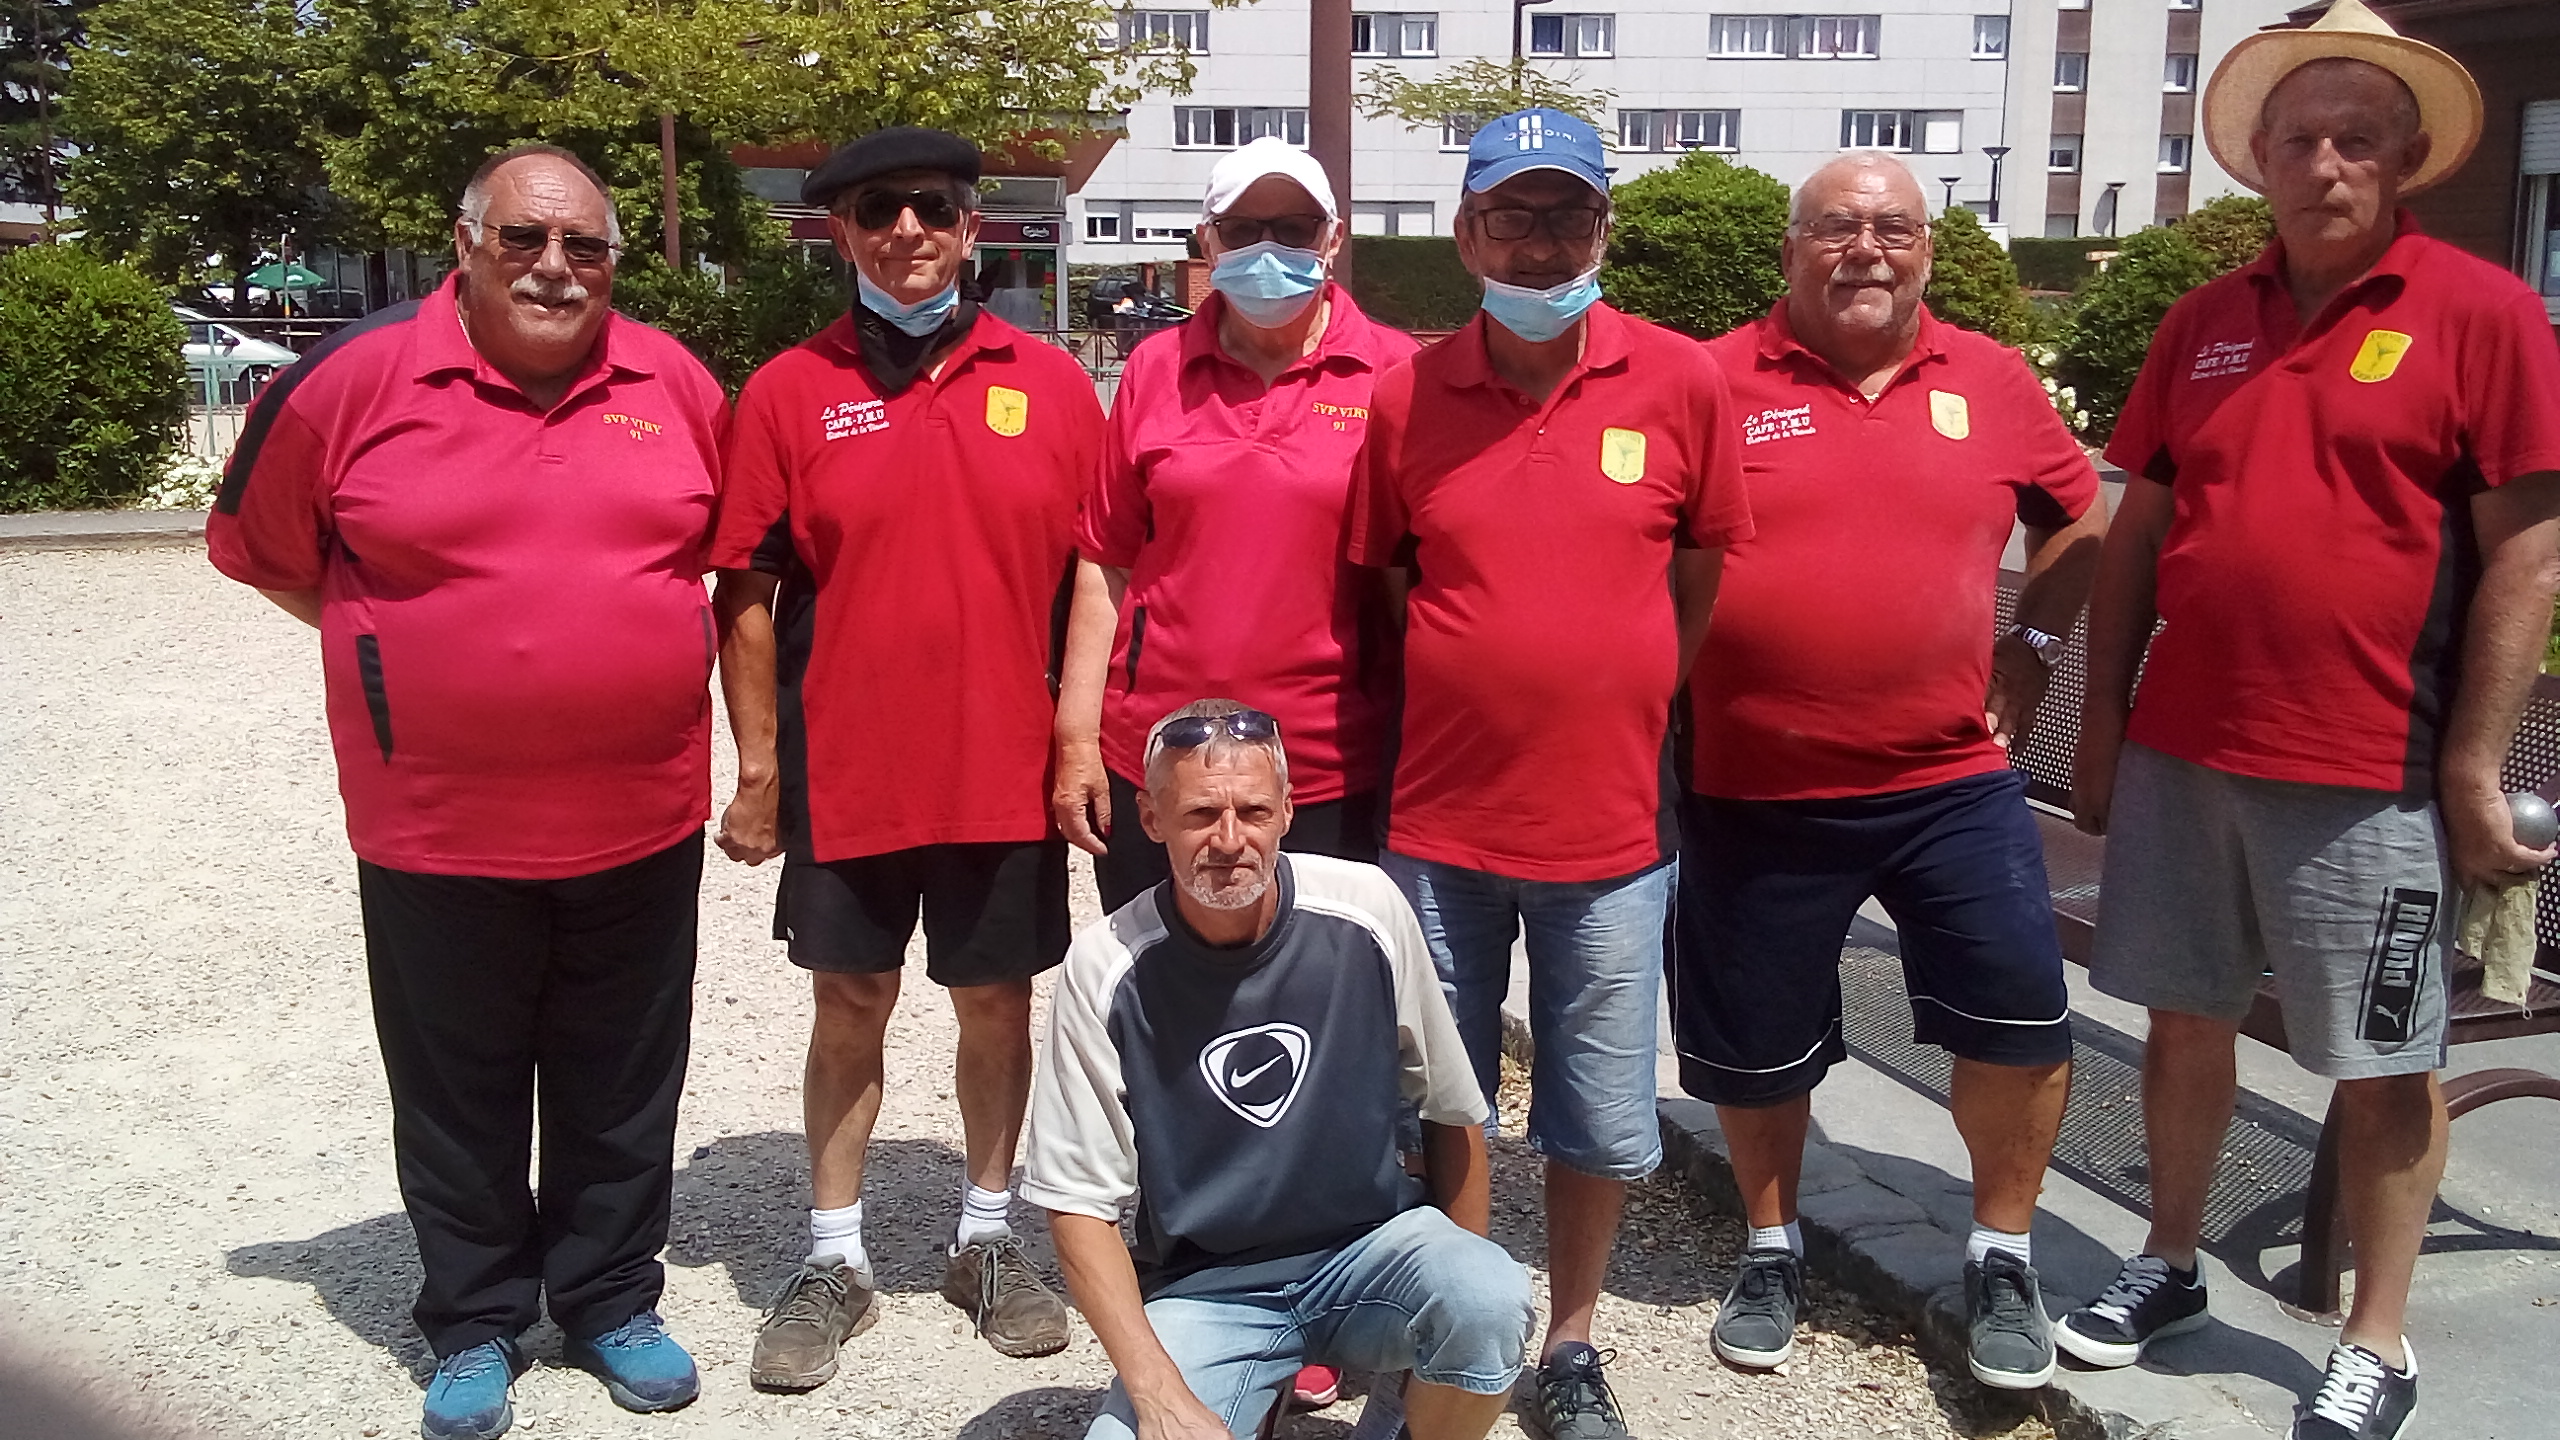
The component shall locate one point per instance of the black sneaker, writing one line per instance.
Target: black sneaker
(2360, 1398)
(2009, 1340)
(1573, 1400)
(2147, 1300)
(1756, 1326)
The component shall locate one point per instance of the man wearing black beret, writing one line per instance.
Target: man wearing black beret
(893, 551)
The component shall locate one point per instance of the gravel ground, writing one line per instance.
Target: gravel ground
(198, 1222)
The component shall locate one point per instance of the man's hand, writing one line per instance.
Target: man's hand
(1177, 1415)
(2017, 685)
(1080, 799)
(2093, 772)
(750, 829)
(2481, 832)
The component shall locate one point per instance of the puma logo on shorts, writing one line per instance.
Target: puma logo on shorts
(2393, 968)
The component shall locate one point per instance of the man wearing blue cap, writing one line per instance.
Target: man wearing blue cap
(1550, 491)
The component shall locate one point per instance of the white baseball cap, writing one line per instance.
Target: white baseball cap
(1235, 173)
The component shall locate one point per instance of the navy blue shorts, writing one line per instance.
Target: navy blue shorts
(1768, 889)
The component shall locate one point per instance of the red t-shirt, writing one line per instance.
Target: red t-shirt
(936, 526)
(2319, 563)
(1223, 499)
(1852, 636)
(1541, 647)
(512, 624)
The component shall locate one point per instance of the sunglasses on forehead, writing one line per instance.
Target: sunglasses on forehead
(879, 209)
(529, 240)
(1193, 731)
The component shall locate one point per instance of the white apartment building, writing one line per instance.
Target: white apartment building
(2094, 101)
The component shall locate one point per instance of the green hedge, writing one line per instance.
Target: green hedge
(93, 381)
(1972, 283)
(1695, 245)
(2054, 264)
(768, 307)
(1413, 282)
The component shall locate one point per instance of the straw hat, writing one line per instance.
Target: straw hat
(2448, 101)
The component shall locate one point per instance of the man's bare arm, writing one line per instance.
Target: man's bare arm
(1453, 1159)
(2502, 646)
(2122, 609)
(743, 603)
(302, 605)
(2061, 561)
(1080, 795)
(1104, 1284)
(1694, 577)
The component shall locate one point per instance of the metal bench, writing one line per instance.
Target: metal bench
(2073, 863)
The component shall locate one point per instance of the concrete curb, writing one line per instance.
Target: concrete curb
(102, 530)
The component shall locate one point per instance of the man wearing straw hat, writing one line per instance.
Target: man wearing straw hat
(2345, 504)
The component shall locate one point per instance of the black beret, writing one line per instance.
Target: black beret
(886, 152)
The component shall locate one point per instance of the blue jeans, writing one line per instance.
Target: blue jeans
(1418, 1293)
(1595, 984)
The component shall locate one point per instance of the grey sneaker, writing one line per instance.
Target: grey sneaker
(2011, 1338)
(1756, 1326)
(1013, 1307)
(826, 1304)
(1572, 1399)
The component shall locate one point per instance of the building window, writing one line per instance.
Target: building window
(2070, 69)
(1101, 227)
(1457, 132)
(2174, 150)
(1163, 225)
(1990, 37)
(1679, 129)
(1837, 37)
(2061, 227)
(1390, 217)
(2071, 4)
(1748, 37)
(1395, 36)
(1224, 127)
(1587, 36)
(1941, 131)
(2180, 78)
(2064, 157)
(1801, 37)
(1875, 130)
(2538, 166)
(1165, 30)
(2186, 4)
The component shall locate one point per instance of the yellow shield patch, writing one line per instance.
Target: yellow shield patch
(1008, 411)
(1622, 455)
(1949, 413)
(2379, 356)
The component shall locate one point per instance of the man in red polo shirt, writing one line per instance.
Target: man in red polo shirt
(1554, 484)
(1851, 742)
(2345, 506)
(495, 505)
(909, 479)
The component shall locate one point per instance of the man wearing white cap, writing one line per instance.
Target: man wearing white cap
(2344, 502)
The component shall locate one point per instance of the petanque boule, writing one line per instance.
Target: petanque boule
(2536, 824)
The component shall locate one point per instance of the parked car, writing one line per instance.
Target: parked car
(226, 365)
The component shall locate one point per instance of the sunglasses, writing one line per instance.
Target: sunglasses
(1193, 731)
(1298, 232)
(1515, 222)
(530, 240)
(879, 209)
(1838, 232)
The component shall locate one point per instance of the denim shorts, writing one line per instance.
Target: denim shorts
(1595, 987)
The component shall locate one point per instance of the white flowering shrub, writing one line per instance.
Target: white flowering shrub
(2066, 399)
(187, 482)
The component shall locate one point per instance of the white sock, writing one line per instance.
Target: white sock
(983, 1215)
(1788, 1237)
(1984, 1240)
(839, 1232)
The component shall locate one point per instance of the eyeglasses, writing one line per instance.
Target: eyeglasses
(1838, 232)
(1298, 232)
(1193, 731)
(532, 240)
(1571, 222)
(879, 209)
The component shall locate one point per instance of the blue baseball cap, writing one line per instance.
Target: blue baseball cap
(1542, 139)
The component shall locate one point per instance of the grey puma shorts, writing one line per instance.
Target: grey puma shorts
(2214, 880)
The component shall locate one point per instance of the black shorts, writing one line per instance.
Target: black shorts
(992, 913)
(1345, 829)
(1767, 892)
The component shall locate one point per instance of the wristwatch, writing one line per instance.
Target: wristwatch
(2048, 648)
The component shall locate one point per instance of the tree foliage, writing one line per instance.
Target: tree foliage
(1695, 245)
(1973, 283)
(92, 380)
(768, 307)
(2120, 308)
(2232, 229)
(35, 60)
(1470, 92)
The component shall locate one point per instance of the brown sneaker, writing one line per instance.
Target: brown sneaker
(826, 1304)
(1019, 1315)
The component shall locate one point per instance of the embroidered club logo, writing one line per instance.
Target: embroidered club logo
(1257, 1072)
(1949, 413)
(1008, 411)
(2379, 356)
(1622, 455)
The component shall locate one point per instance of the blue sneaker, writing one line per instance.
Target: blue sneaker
(467, 1398)
(642, 1366)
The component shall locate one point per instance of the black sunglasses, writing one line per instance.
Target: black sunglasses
(1193, 731)
(534, 239)
(1570, 222)
(879, 209)
(1298, 232)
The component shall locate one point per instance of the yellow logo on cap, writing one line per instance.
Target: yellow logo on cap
(1949, 413)
(1008, 411)
(1622, 455)
(2379, 356)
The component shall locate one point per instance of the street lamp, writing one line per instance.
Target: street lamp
(2107, 206)
(1950, 182)
(1995, 152)
(1517, 7)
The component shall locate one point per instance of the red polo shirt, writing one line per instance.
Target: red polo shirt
(1541, 647)
(512, 624)
(937, 526)
(2319, 563)
(1852, 638)
(1223, 499)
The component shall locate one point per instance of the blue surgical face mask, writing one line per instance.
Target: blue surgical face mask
(1541, 315)
(1269, 284)
(919, 319)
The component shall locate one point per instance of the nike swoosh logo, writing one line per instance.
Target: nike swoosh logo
(1237, 1080)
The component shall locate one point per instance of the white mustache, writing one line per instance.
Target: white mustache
(544, 290)
(1880, 275)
